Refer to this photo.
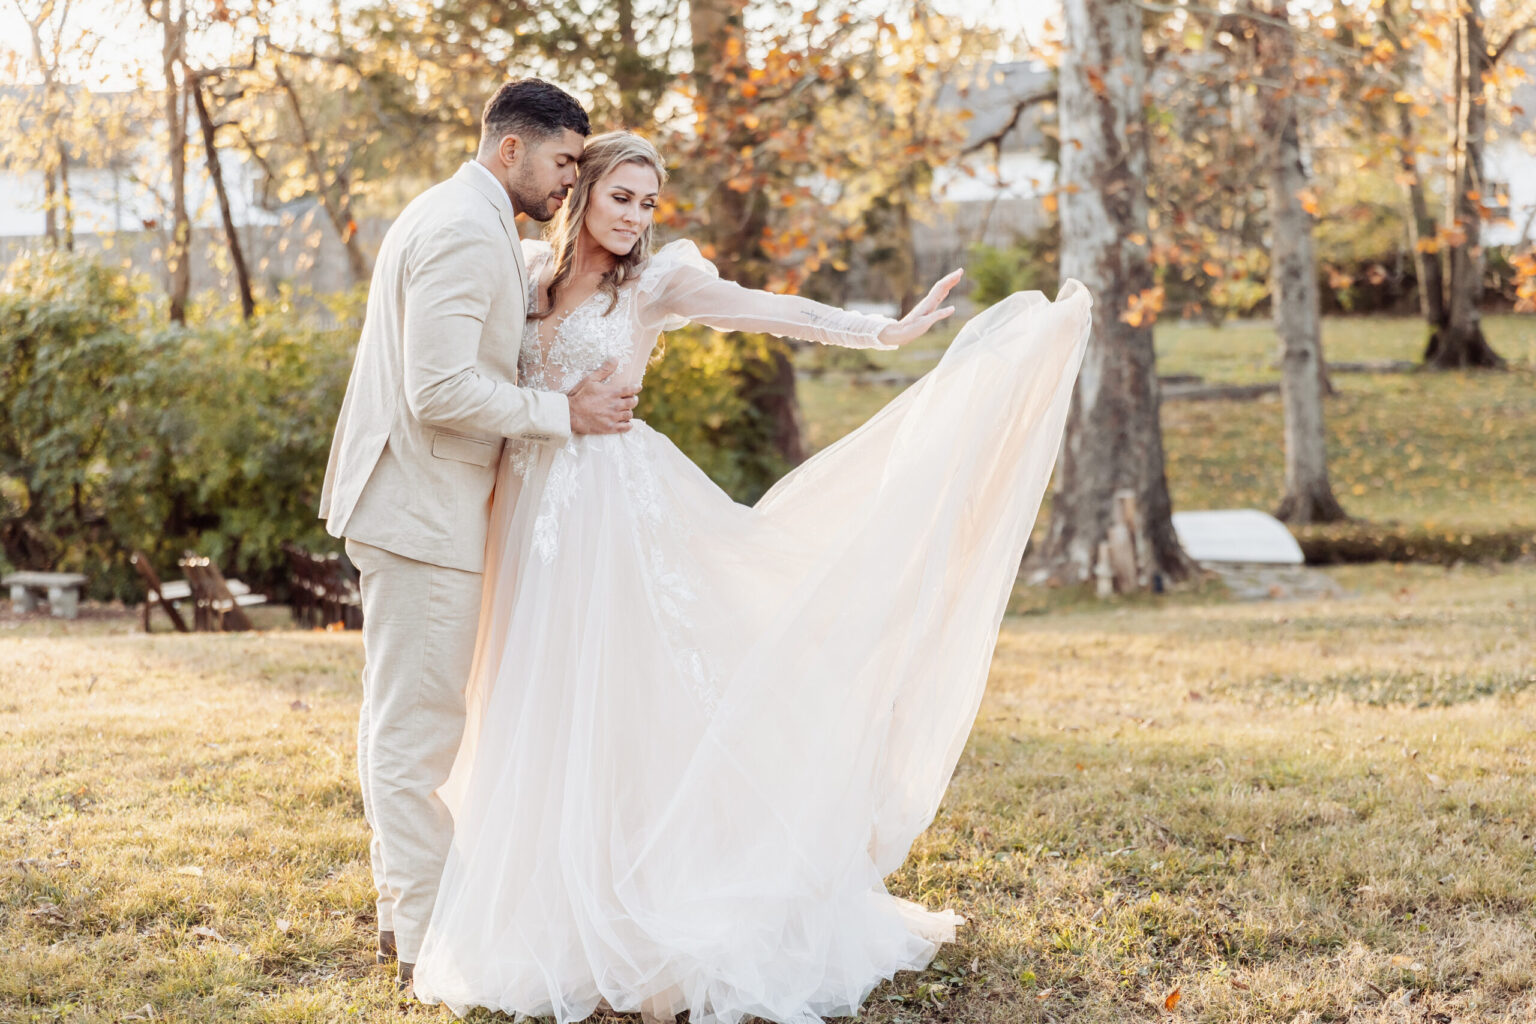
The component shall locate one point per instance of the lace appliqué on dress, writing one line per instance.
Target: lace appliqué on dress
(583, 340)
(676, 591)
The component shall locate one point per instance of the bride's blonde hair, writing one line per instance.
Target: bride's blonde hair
(602, 154)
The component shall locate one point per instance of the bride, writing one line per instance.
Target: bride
(701, 734)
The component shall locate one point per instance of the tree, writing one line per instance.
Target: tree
(171, 17)
(1459, 342)
(48, 30)
(733, 219)
(1409, 43)
(1113, 440)
(195, 85)
(1308, 495)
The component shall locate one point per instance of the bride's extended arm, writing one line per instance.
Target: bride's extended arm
(692, 291)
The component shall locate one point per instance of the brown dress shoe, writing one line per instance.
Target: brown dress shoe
(386, 953)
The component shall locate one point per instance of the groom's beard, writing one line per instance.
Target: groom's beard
(537, 205)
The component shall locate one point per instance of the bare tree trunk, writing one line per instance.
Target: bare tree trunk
(1421, 224)
(1422, 229)
(736, 219)
(1293, 275)
(66, 197)
(50, 206)
(178, 262)
(58, 203)
(1460, 342)
(1113, 440)
(216, 172)
(632, 107)
(335, 196)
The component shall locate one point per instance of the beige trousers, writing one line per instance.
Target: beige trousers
(419, 624)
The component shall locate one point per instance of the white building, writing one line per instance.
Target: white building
(1509, 162)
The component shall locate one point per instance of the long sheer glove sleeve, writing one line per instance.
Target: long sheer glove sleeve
(447, 296)
(681, 285)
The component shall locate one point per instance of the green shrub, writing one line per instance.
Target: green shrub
(694, 394)
(1029, 264)
(118, 432)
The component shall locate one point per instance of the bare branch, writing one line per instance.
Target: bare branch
(1509, 42)
(995, 140)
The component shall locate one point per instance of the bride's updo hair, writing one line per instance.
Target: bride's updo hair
(602, 154)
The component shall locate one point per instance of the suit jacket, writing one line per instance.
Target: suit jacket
(433, 391)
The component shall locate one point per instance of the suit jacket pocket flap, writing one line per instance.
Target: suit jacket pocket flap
(464, 449)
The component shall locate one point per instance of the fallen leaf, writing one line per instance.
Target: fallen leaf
(190, 869)
(48, 912)
(145, 1012)
(1172, 1001)
(207, 933)
(1236, 838)
(1407, 963)
(1239, 985)
(298, 705)
(283, 924)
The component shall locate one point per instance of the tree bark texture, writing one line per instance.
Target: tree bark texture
(178, 263)
(216, 172)
(1460, 343)
(1113, 439)
(736, 220)
(1421, 224)
(1308, 496)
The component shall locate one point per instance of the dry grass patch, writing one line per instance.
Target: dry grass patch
(1194, 797)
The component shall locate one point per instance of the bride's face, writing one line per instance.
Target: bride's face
(622, 206)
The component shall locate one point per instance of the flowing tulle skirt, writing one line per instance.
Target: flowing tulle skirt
(701, 734)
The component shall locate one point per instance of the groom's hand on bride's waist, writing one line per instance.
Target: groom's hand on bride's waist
(599, 406)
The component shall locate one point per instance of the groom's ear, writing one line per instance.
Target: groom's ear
(510, 148)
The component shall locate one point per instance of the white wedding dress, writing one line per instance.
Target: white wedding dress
(701, 734)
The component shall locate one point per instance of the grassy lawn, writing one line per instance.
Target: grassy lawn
(1452, 452)
(1283, 811)
(1298, 811)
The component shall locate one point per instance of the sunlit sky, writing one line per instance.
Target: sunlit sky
(129, 44)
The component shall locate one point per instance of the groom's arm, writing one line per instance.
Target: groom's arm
(449, 285)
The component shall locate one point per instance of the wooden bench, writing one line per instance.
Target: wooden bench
(60, 589)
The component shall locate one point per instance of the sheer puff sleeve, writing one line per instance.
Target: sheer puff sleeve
(679, 285)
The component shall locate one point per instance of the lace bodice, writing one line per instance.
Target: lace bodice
(579, 342)
(678, 285)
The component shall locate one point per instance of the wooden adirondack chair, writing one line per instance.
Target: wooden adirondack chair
(162, 594)
(214, 604)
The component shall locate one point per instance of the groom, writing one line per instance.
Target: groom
(432, 396)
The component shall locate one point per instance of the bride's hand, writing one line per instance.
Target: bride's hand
(923, 315)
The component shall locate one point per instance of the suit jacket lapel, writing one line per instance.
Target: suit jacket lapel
(510, 226)
(487, 188)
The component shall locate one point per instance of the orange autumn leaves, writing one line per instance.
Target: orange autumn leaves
(1141, 309)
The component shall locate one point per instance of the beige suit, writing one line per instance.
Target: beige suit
(431, 399)
(433, 393)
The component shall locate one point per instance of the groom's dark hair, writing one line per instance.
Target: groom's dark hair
(533, 110)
